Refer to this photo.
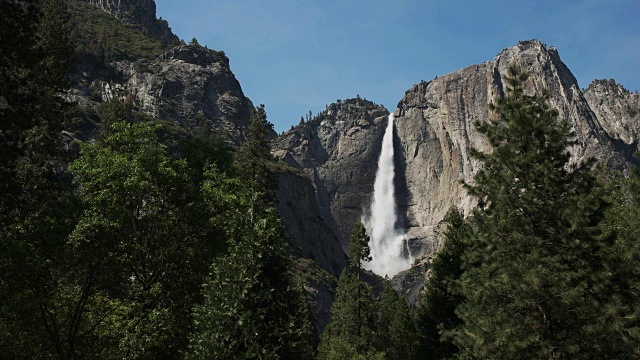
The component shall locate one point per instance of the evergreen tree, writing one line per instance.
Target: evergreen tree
(395, 334)
(252, 306)
(359, 250)
(36, 56)
(36, 212)
(112, 111)
(350, 334)
(436, 314)
(533, 272)
(252, 309)
(254, 160)
(621, 227)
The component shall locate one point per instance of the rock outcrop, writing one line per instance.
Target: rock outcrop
(192, 86)
(138, 12)
(188, 84)
(617, 108)
(338, 151)
(435, 127)
(307, 232)
(434, 133)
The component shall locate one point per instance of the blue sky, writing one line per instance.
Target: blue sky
(299, 55)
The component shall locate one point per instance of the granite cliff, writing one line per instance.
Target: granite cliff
(434, 132)
(435, 127)
(138, 12)
(617, 108)
(338, 151)
(188, 84)
(333, 157)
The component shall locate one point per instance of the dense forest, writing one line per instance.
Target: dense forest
(147, 240)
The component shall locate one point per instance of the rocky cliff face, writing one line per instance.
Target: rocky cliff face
(338, 151)
(307, 231)
(617, 108)
(139, 12)
(188, 84)
(434, 132)
(435, 126)
(192, 86)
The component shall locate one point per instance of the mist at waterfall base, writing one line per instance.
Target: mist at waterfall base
(389, 250)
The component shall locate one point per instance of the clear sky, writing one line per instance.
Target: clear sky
(299, 55)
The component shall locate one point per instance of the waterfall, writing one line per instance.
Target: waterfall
(389, 250)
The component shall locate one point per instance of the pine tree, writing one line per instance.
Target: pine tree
(350, 333)
(436, 314)
(621, 227)
(359, 250)
(35, 209)
(253, 309)
(394, 328)
(253, 160)
(533, 272)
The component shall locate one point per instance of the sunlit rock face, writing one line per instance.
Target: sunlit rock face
(192, 86)
(435, 125)
(617, 108)
(189, 85)
(434, 132)
(139, 12)
(338, 151)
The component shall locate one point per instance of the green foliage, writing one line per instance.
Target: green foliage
(35, 209)
(621, 227)
(112, 111)
(101, 36)
(252, 307)
(437, 311)
(253, 159)
(359, 250)
(37, 55)
(395, 334)
(309, 271)
(111, 265)
(351, 330)
(533, 275)
(138, 200)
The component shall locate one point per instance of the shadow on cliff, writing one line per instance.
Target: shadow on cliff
(402, 189)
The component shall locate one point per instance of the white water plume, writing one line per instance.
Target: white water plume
(389, 248)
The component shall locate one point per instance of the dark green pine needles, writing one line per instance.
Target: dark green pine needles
(533, 272)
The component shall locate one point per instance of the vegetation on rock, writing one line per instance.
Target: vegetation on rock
(149, 240)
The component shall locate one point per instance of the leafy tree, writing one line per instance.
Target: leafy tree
(144, 237)
(437, 311)
(252, 307)
(533, 273)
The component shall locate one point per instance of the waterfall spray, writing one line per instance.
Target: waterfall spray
(388, 245)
